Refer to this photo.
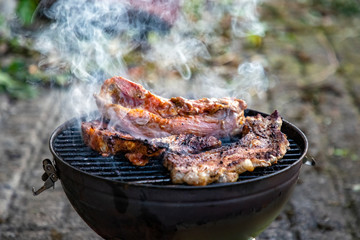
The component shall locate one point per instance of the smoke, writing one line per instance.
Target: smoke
(200, 27)
(245, 19)
(81, 36)
(92, 38)
(177, 53)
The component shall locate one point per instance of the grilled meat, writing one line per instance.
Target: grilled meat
(186, 143)
(146, 115)
(261, 145)
(109, 141)
(185, 133)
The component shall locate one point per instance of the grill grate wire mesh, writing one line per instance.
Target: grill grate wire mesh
(70, 147)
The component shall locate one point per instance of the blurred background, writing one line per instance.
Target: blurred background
(299, 57)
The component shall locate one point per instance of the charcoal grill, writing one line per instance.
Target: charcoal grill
(121, 201)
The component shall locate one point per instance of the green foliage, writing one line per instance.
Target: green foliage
(2, 20)
(15, 88)
(25, 10)
(345, 153)
(15, 80)
(337, 7)
(194, 8)
(20, 80)
(346, 7)
(18, 77)
(254, 41)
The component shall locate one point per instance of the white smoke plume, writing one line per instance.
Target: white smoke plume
(92, 38)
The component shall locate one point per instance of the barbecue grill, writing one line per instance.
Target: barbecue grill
(121, 201)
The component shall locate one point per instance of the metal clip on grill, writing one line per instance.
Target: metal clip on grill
(49, 177)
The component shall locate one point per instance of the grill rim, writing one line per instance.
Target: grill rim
(249, 112)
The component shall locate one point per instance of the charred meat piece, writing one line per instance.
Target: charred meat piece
(146, 115)
(110, 141)
(186, 143)
(261, 145)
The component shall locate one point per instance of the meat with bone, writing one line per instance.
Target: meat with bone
(109, 141)
(185, 133)
(146, 115)
(261, 145)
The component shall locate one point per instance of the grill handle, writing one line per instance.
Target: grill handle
(49, 177)
(309, 160)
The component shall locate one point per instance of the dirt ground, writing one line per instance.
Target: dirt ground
(315, 84)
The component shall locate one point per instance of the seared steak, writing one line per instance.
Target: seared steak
(145, 115)
(261, 145)
(109, 141)
(184, 133)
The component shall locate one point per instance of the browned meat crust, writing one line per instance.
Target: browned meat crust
(110, 141)
(146, 115)
(261, 145)
(185, 133)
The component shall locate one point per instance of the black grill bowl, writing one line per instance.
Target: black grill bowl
(118, 205)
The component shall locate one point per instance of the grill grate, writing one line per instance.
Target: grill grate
(70, 147)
